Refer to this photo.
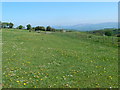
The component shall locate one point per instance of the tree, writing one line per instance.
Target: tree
(38, 28)
(5, 25)
(20, 27)
(33, 27)
(48, 28)
(10, 25)
(53, 29)
(0, 24)
(29, 27)
(42, 28)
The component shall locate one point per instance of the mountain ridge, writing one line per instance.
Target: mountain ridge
(89, 27)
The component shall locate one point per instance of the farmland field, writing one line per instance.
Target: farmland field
(58, 60)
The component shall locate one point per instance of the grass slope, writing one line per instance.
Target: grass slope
(38, 60)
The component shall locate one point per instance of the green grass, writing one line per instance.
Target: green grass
(58, 60)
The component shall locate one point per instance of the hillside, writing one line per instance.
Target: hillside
(59, 60)
(107, 32)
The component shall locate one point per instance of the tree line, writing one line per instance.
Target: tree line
(6, 25)
(28, 27)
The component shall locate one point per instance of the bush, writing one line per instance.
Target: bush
(118, 35)
(108, 33)
(89, 36)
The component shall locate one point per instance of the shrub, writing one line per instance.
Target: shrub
(108, 33)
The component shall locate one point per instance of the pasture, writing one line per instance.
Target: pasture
(58, 60)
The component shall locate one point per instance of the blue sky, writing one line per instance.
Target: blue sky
(59, 13)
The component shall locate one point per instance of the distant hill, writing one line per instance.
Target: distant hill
(89, 27)
(107, 32)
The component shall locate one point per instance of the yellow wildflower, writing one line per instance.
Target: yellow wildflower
(110, 77)
(17, 81)
(25, 83)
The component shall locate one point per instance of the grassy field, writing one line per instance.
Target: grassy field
(58, 60)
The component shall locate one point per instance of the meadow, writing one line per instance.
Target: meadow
(58, 60)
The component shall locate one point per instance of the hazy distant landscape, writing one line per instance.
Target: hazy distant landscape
(88, 27)
(59, 45)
